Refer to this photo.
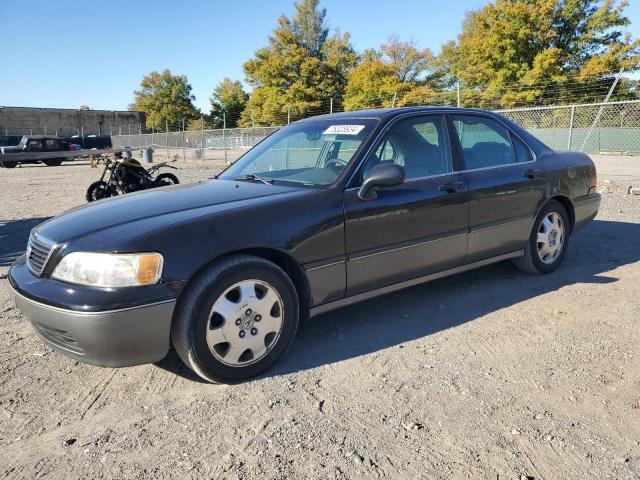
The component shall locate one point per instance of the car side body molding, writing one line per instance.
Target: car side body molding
(317, 310)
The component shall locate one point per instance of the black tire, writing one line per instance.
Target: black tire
(166, 179)
(97, 191)
(6, 164)
(192, 317)
(531, 261)
(53, 162)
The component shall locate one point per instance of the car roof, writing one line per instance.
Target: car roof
(389, 113)
(41, 137)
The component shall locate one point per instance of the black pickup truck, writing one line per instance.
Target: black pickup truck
(36, 144)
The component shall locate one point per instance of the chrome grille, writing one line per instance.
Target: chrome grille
(38, 252)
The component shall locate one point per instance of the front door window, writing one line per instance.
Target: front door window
(418, 144)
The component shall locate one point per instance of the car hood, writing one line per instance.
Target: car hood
(11, 149)
(167, 205)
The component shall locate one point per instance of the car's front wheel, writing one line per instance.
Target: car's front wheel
(235, 319)
(548, 242)
(7, 164)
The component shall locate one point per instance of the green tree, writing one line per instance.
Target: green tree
(300, 68)
(227, 103)
(165, 98)
(373, 83)
(199, 123)
(518, 51)
(399, 74)
(409, 63)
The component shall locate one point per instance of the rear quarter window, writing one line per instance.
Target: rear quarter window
(523, 153)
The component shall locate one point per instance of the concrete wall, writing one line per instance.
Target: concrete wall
(24, 120)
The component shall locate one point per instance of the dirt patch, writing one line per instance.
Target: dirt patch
(488, 374)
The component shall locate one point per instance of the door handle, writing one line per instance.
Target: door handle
(451, 187)
(533, 174)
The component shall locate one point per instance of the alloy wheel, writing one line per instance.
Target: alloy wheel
(551, 234)
(245, 322)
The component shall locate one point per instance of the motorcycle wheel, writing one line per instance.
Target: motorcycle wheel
(166, 179)
(97, 191)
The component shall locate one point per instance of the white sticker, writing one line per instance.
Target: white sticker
(343, 130)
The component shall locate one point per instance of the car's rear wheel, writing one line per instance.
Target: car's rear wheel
(548, 242)
(53, 162)
(236, 319)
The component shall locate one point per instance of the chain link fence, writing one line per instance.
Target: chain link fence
(592, 128)
(605, 128)
(221, 145)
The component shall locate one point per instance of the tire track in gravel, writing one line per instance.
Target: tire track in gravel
(75, 407)
(504, 368)
(402, 453)
(80, 404)
(95, 393)
(544, 462)
(162, 381)
(242, 447)
(45, 450)
(157, 381)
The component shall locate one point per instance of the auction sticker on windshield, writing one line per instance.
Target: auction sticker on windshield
(343, 130)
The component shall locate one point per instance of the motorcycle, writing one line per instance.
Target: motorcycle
(126, 175)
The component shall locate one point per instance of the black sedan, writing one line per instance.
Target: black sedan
(326, 212)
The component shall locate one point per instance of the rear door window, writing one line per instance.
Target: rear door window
(485, 143)
(51, 145)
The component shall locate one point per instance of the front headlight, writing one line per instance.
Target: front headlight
(110, 270)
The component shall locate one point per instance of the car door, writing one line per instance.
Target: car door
(413, 229)
(506, 184)
(52, 145)
(34, 145)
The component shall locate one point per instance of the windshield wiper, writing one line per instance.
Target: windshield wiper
(254, 178)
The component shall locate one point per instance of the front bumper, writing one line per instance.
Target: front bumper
(117, 338)
(109, 328)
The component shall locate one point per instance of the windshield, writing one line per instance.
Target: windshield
(309, 153)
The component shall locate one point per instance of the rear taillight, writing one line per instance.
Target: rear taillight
(593, 178)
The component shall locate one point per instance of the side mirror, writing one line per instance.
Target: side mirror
(387, 175)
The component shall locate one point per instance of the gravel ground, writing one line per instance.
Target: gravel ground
(488, 374)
